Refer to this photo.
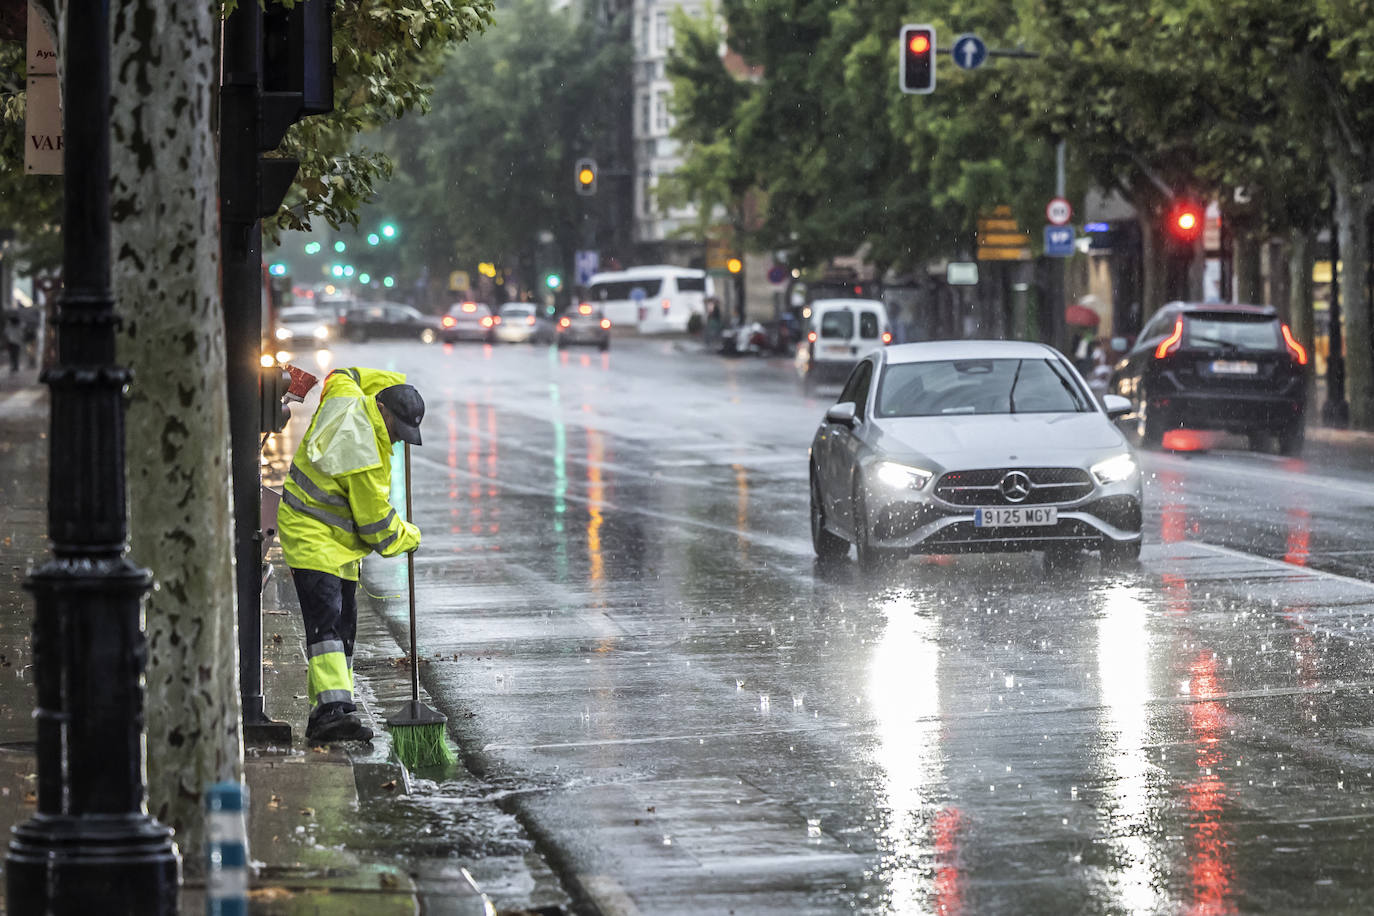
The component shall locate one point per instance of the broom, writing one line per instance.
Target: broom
(417, 732)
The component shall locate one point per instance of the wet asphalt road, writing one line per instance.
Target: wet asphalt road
(626, 626)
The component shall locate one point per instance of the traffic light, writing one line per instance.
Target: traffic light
(553, 282)
(584, 173)
(918, 59)
(734, 265)
(1185, 222)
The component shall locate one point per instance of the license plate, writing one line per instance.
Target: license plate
(1234, 367)
(1018, 517)
(834, 348)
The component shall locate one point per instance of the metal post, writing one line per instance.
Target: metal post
(1336, 410)
(91, 847)
(1060, 267)
(241, 241)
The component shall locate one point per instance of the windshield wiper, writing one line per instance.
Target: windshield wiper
(1075, 395)
(1011, 395)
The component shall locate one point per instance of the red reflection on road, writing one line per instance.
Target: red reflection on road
(1299, 537)
(1209, 864)
(1173, 522)
(949, 885)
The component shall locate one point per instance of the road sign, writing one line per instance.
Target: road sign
(777, 274)
(1058, 211)
(586, 263)
(1000, 237)
(459, 281)
(969, 51)
(1059, 241)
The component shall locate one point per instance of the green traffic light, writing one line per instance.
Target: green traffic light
(553, 281)
(339, 246)
(374, 239)
(312, 248)
(364, 278)
(389, 230)
(388, 282)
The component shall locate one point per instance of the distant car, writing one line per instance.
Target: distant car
(1216, 366)
(518, 322)
(839, 332)
(584, 324)
(972, 446)
(380, 320)
(468, 321)
(301, 326)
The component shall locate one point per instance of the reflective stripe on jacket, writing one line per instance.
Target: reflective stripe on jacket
(335, 506)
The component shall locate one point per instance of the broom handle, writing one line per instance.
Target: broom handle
(410, 581)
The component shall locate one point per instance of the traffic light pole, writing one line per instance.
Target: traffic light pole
(91, 847)
(241, 234)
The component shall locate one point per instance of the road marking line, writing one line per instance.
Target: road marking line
(1280, 564)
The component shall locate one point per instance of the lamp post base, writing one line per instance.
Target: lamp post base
(76, 866)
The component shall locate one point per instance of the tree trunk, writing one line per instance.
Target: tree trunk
(1300, 286)
(1245, 266)
(1153, 272)
(1354, 201)
(166, 275)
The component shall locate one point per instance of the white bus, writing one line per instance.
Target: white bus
(653, 299)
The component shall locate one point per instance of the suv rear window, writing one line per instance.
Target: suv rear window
(691, 284)
(868, 325)
(1226, 332)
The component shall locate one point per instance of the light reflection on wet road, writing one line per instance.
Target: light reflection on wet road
(624, 617)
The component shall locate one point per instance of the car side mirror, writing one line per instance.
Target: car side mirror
(841, 413)
(1116, 406)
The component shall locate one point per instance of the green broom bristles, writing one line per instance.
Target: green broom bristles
(419, 746)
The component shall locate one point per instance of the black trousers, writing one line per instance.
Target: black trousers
(329, 609)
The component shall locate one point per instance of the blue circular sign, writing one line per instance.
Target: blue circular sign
(777, 274)
(968, 51)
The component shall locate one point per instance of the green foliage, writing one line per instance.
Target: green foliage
(384, 51)
(491, 167)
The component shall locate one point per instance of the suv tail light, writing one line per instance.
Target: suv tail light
(1170, 343)
(887, 337)
(449, 321)
(1294, 348)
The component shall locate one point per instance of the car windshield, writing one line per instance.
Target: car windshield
(1240, 332)
(298, 316)
(980, 386)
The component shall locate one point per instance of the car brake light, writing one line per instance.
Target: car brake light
(565, 322)
(530, 320)
(1170, 343)
(584, 309)
(887, 337)
(496, 319)
(811, 337)
(667, 303)
(486, 321)
(606, 323)
(449, 321)
(469, 307)
(1294, 347)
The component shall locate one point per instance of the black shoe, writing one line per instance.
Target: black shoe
(342, 726)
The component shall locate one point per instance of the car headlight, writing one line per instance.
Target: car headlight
(321, 332)
(283, 334)
(902, 476)
(1114, 470)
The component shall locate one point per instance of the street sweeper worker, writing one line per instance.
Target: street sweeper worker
(335, 510)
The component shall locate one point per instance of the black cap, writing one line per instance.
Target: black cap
(407, 408)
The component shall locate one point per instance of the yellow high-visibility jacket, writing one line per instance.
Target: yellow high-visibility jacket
(336, 505)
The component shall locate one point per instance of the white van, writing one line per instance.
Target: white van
(838, 334)
(654, 299)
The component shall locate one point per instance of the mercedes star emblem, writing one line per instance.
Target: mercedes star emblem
(1015, 486)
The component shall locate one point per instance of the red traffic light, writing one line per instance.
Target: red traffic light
(1185, 222)
(917, 73)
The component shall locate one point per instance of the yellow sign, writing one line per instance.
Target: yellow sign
(486, 269)
(1000, 238)
(458, 281)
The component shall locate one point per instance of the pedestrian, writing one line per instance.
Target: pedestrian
(335, 510)
(14, 339)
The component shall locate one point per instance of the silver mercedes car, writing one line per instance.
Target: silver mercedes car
(970, 446)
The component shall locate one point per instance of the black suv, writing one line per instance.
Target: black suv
(1216, 366)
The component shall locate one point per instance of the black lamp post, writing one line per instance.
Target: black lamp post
(91, 847)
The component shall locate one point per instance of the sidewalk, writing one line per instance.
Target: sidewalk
(306, 834)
